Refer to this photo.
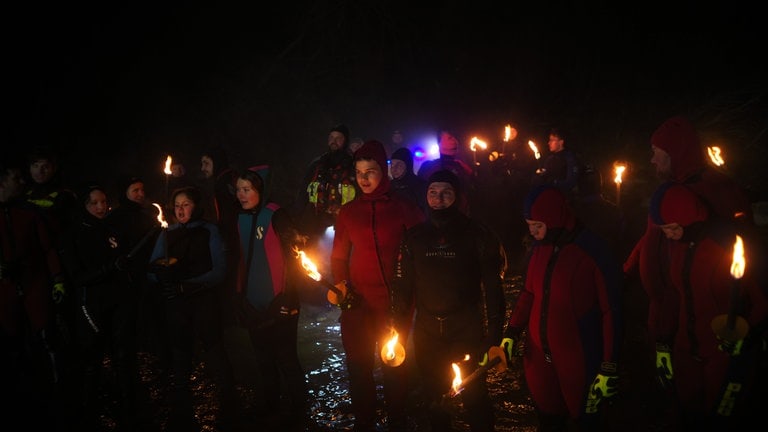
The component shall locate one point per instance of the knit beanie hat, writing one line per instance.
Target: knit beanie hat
(344, 130)
(446, 176)
(675, 203)
(374, 150)
(405, 155)
(679, 139)
(548, 204)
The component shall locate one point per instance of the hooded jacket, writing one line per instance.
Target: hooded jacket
(368, 231)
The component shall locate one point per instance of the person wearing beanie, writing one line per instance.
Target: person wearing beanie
(712, 367)
(368, 233)
(450, 268)
(329, 183)
(136, 221)
(94, 255)
(570, 308)
(267, 301)
(188, 266)
(405, 182)
(678, 156)
(451, 159)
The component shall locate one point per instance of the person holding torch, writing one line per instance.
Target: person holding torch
(368, 233)
(450, 268)
(267, 298)
(571, 308)
(720, 319)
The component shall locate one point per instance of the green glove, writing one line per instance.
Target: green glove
(58, 292)
(603, 386)
(732, 348)
(508, 345)
(664, 365)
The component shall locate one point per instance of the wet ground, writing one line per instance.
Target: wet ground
(638, 406)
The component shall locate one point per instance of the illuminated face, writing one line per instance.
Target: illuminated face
(135, 192)
(440, 195)
(538, 229)
(555, 143)
(335, 141)
(248, 195)
(42, 171)
(206, 166)
(449, 145)
(368, 174)
(183, 207)
(397, 137)
(397, 168)
(97, 204)
(662, 162)
(672, 231)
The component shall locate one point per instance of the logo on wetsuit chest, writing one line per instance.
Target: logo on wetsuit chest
(441, 252)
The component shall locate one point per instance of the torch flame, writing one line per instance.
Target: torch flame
(456, 384)
(739, 263)
(308, 265)
(477, 142)
(160, 217)
(390, 354)
(715, 154)
(619, 170)
(507, 132)
(167, 169)
(535, 149)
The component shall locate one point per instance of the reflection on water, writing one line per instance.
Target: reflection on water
(635, 408)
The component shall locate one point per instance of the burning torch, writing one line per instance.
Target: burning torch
(731, 327)
(618, 169)
(392, 351)
(167, 170)
(474, 143)
(342, 297)
(165, 261)
(496, 360)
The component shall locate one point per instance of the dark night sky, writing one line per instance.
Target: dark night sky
(126, 84)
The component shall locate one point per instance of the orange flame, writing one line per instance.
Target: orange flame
(307, 264)
(619, 170)
(160, 217)
(391, 343)
(456, 383)
(715, 154)
(167, 169)
(739, 263)
(476, 142)
(535, 149)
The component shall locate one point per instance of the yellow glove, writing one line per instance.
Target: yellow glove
(664, 365)
(603, 386)
(732, 348)
(58, 292)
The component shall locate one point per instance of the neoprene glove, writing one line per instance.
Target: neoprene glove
(664, 365)
(511, 337)
(732, 348)
(603, 386)
(58, 292)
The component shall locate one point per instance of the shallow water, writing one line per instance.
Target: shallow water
(636, 408)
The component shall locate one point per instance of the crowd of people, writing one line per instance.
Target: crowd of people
(92, 274)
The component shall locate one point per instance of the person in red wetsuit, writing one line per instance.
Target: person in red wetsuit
(368, 234)
(712, 376)
(679, 156)
(570, 306)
